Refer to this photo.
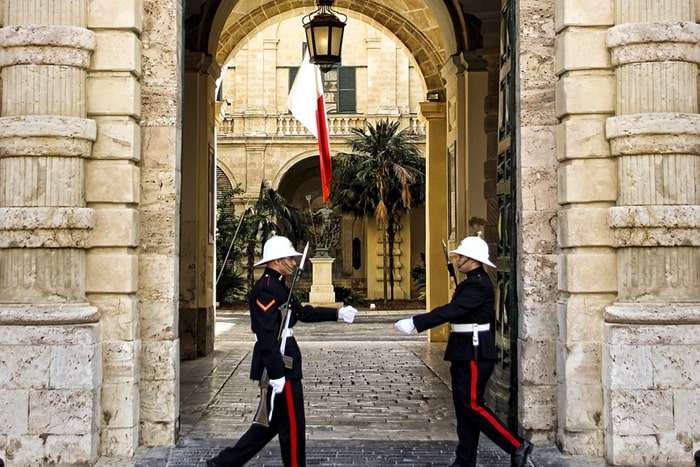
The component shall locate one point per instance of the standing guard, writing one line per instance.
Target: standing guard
(285, 400)
(472, 351)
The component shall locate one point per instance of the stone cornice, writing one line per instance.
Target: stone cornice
(654, 42)
(45, 227)
(46, 45)
(48, 126)
(46, 135)
(654, 133)
(433, 110)
(652, 313)
(669, 216)
(650, 226)
(48, 314)
(29, 218)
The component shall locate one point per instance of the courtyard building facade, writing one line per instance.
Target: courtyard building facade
(567, 131)
(259, 141)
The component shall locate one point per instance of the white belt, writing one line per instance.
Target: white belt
(471, 327)
(285, 334)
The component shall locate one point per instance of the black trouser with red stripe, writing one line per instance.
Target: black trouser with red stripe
(287, 422)
(468, 384)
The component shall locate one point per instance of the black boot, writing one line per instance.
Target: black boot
(519, 457)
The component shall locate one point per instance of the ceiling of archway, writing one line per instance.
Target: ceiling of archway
(411, 21)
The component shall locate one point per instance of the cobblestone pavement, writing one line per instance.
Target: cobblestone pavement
(372, 397)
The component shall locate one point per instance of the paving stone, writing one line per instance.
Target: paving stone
(372, 398)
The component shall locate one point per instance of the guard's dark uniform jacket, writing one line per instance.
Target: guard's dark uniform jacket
(268, 294)
(288, 419)
(472, 302)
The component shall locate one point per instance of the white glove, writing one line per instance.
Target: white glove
(405, 326)
(277, 385)
(347, 313)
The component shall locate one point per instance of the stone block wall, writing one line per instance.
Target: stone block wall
(652, 383)
(49, 391)
(587, 188)
(113, 191)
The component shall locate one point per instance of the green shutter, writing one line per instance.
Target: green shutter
(346, 90)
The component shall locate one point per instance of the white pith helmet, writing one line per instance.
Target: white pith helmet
(277, 247)
(474, 248)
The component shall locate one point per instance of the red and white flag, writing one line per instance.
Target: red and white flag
(305, 101)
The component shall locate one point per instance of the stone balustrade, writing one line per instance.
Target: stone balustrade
(239, 125)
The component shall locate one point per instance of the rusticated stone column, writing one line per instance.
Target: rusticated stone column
(652, 331)
(50, 372)
(159, 219)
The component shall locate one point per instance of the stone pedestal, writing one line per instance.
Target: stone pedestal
(322, 293)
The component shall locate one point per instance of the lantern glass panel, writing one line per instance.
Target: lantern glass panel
(310, 42)
(321, 36)
(336, 40)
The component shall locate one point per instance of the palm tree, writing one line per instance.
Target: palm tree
(271, 214)
(383, 176)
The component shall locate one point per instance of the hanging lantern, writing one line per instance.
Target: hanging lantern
(324, 35)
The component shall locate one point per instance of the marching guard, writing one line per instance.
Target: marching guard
(284, 396)
(471, 350)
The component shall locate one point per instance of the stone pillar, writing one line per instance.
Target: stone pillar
(374, 95)
(322, 292)
(652, 331)
(587, 189)
(455, 77)
(270, 76)
(49, 334)
(254, 168)
(536, 201)
(196, 245)
(436, 276)
(159, 215)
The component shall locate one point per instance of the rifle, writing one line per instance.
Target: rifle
(450, 266)
(263, 415)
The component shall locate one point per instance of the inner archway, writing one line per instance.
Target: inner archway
(458, 86)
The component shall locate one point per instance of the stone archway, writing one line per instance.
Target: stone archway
(207, 50)
(416, 33)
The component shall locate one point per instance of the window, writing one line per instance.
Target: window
(339, 88)
(346, 89)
